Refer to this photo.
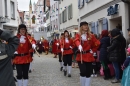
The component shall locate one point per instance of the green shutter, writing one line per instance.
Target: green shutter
(71, 11)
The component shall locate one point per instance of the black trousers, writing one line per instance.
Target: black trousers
(94, 67)
(60, 57)
(22, 71)
(85, 69)
(67, 59)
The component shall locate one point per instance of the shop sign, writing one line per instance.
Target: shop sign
(112, 10)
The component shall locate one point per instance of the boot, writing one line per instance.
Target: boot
(63, 66)
(87, 82)
(106, 77)
(19, 82)
(69, 71)
(25, 82)
(82, 81)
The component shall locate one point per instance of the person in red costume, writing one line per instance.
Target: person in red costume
(22, 55)
(66, 49)
(46, 46)
(54, 47)
(87, 46)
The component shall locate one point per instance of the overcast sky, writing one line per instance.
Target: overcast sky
(23, 5)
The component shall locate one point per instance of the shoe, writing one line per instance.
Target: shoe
(69, 75)
(73, 65)
(115, 81)
(95, 75)
(61, 68)
(92, 75)
(106, 75)
(15, 79)
(65, 72)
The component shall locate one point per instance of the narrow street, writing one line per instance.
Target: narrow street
(46, 72)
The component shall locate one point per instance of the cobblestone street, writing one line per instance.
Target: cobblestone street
(46, 72)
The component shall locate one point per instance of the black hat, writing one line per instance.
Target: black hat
(128, 29)
(22, 26)
(66, 31)
(83, 23)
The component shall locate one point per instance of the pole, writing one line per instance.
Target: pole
(80, 40)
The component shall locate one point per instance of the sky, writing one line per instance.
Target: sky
(23, 5)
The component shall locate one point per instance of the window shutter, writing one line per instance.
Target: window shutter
(79, 4)
(96, 27)
(105, 24)
(93, 27)
(71, 11)
(82, 3)
(68, 12)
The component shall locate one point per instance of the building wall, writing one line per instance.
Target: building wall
(54, 15)
(13, 23)
(69, 24)
(99, 11)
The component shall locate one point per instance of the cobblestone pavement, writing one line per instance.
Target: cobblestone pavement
(46, 72)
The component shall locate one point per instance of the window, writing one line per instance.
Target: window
(12, 10)
(5, 8)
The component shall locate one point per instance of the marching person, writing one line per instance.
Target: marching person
(54, 47)
(22, 55)
(67, 52)
(6, 53)
(46, 46)
(59, 52)
(87, 45)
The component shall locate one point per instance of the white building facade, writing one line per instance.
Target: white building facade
(104, 14)
(54, 18)
(9, 16)
(68, 15)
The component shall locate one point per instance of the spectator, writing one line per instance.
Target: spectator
(105, 42)
(7, 52)
(116, 52)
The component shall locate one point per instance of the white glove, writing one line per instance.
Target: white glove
(15, 52)
(91, 51)
(129, 45)
(80, 48)
(40, 42)
(57, 44)
(62, 50)
(70, 47)
(33, 46)
(94, 54)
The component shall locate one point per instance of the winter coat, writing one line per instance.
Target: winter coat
(105, 42)
(7, 52)
(117, 49)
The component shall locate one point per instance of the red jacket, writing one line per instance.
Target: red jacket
(54, 46)
(46, 45)
(91, 43)
(24, 48)
(66, 46)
